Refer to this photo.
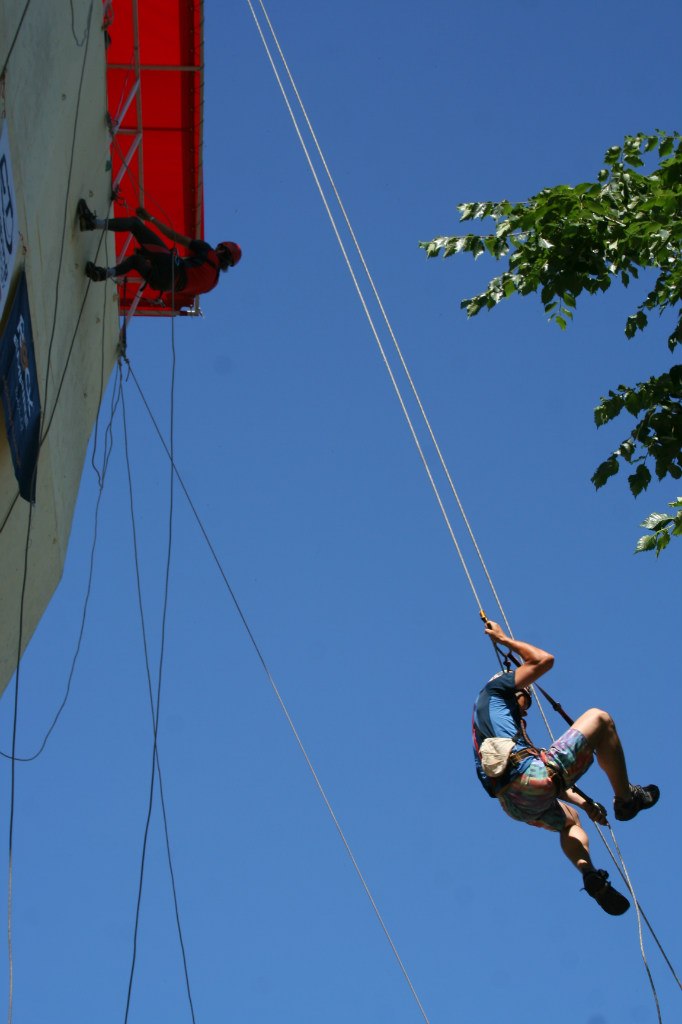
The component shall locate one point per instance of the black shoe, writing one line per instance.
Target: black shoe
(86, 218)
(641, 798)
(95, 273)
(600, 889)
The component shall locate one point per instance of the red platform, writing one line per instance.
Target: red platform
(155, 86)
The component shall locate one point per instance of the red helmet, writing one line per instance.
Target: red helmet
(233, 249)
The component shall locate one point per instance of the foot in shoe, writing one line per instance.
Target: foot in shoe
(86, 218)
(95, 273)
(600, 889)
(641, 798)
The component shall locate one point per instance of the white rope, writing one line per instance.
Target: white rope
(630, 886)
(280, 699)
(412, 387)
(384, 314)
(347, 846)
(622, 868)
(363, 302)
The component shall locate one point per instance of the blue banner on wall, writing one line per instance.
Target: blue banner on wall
(19, 390)
(9, 227)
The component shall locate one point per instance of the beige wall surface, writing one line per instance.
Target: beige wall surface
(55, 104)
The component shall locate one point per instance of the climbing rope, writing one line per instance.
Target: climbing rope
(506, 659)
(623, 875)
(380, 304)
(15, 716)
(101, 476)
(402, 363)
(365, 307)
(280, 699)
(155, 703)
(621, 867)
(14, 38)
(102, 381)
(13, 755)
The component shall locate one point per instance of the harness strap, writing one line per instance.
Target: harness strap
(553, 770)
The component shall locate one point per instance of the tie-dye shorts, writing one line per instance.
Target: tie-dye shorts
(531, 797)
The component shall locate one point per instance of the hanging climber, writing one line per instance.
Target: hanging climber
(527, 781)
(180, 278)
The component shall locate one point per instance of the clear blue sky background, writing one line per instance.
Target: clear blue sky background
(293, 447)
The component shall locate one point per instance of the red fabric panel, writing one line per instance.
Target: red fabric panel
(160, 44)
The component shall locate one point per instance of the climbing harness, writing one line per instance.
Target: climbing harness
(507, 658)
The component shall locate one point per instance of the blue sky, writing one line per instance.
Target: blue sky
(293, 448)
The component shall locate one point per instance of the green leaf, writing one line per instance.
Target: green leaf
(646, 543)
(568, 241)
(657, 521)
(602, 473)
(639, 480)
(632, 401)
(626, 450)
